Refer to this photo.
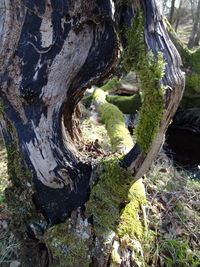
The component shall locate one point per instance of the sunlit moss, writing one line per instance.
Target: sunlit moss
(127, 104)
(115, 190)
(150, 70)
(112, 84)
(115, 123)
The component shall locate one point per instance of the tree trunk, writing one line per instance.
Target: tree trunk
(197, 38)
(195, 27)
(51, 51)
(190, 59)
(172, 10)
(178, 15)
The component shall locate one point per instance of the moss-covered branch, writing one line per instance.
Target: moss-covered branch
(127, 104)
(150, 71)
(114, 120)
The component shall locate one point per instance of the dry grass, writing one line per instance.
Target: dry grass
(173, 216)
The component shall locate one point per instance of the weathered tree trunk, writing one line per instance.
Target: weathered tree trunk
(52, 50)
(43, 75)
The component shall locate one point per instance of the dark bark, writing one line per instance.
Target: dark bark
(51, 51)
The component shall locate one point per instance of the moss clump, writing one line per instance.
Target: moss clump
(150, 71)
(114, 190)
(114, 120)
(18, 196)
(127, 104)
(112, 84)
(68, 245)
(194, 61)
(131, 224)
(184, 52)
(191, 64)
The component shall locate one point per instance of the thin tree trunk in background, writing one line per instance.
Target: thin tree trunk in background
(195, 27)
(164, 5)
(172, 10)
(178, 15)
(192, 9)
(197, 38)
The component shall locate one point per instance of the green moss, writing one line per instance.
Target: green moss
(115, 123)
(131, 223)
(194, 61)
(191, 64)
(150, 71)
(68, 245)
(114, 190)
(127, 104)
(112, 84)
(192, 89)
(18, 195)
(184, 52)
(193, 84)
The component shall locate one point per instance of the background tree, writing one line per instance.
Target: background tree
(172, 11)
(51, 51)
(194, 32)
(179, 13)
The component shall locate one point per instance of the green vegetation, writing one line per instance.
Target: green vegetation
(178, 253)
(191, 65)
(127, 104)
(112, 84)
(115, 123)
(150, 71)
(18, 194)
(115, 188)
(70, 245)
(192, 90)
